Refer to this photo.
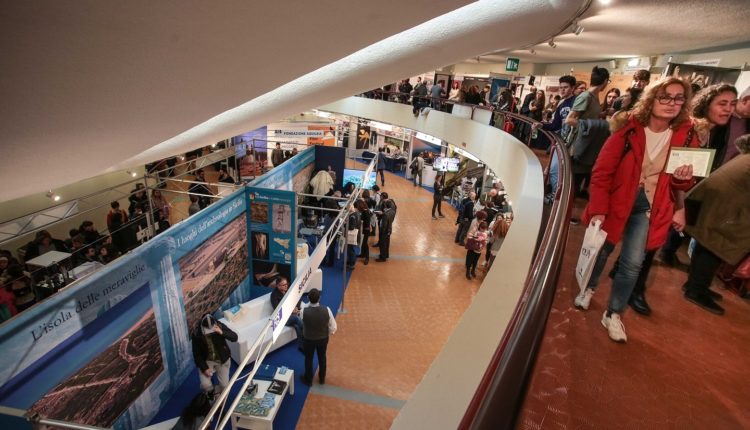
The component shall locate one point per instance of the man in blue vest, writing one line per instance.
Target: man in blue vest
(319, 324)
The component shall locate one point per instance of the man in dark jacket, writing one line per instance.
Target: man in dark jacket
(465, 215)
(319, 325)
(201, 188)
(386, 228)
(277, 155)
(211, 352)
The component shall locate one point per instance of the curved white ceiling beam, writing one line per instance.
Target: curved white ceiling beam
(470, 30)
(49, 143)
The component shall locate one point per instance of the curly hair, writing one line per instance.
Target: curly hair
(743, 144)
(700, 104)
(643, 108)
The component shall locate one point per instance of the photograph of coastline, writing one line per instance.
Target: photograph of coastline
(99, 392)
(211, 272)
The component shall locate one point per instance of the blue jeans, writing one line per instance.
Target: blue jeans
(632, 255)
(295, 322)
(554, 171)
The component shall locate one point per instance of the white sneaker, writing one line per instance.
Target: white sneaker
(615, 327)
(583, 299)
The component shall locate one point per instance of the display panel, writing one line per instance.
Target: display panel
(355, 177)
(446, 164)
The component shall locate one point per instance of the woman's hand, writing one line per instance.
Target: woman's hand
(678, 220)
(596, 218)
(684, 172)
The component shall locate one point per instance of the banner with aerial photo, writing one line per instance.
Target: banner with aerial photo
(111, 350)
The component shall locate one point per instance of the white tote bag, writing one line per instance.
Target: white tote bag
(592, 243)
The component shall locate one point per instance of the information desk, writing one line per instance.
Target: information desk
(244, 421)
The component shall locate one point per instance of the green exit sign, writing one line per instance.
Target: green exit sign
(511, 64)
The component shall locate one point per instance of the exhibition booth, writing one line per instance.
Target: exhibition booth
(112, 349)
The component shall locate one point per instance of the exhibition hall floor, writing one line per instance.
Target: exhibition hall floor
(398, 316)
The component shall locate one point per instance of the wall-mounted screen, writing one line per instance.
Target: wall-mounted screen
(446, 164)
(355, 177)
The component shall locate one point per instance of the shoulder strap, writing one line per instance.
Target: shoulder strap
(689, 137)
(627, 146)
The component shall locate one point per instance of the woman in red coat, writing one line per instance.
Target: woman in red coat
(631, 195)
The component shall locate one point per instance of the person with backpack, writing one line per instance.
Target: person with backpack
(367, 218)
(211, 352)
(465, 215)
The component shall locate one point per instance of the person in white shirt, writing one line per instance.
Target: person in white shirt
(318, 324)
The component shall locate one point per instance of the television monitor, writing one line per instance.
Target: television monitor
(446, 164)
(355, 177)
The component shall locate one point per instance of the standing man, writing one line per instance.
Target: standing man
(557, 125)
(436, 92)
(405, 89)
(437, 197)
(386, 228)
(211, 353)
(465, 215)
(418, 99)
(319, 325)
(294, 321)
(525, 110)
(586, 106)
(416, 169)
(201, 188)
(277, 155)
(381, 166)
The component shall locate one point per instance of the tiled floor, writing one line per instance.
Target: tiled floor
(398, 315)
(682, 368)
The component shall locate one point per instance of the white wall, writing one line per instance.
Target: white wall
(444, 393)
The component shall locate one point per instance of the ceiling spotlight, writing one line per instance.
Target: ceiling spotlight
(53, 196)
(605, 2)
(133, 174)
(577, 28)
(634, 62)
(532, 52)
(552, 43)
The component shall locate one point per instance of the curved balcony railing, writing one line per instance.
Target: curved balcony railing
(498, 396)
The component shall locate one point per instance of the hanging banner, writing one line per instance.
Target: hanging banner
(111, 349)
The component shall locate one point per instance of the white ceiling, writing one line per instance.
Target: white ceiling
(92, 86)
(636, 28)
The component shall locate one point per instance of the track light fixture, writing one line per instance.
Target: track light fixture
(552, 43)
(532, 52)
(132, 174)
(53, 196)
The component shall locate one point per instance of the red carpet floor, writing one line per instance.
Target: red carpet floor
(682, 367)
